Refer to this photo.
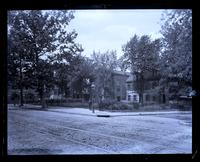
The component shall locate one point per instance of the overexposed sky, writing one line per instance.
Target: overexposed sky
(102, 30)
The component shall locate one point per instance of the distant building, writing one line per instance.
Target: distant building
(119, 85)
(131, 94)
(120, 88)
(55, 93)
(152, 92)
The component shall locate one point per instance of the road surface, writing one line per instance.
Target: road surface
(69, 132)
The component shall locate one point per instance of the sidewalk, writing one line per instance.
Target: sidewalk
(26, 106)
(81, 111)
(87, 112)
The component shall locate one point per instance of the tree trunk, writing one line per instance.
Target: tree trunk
(21, 86)
(43, 101)
(44, 105)
(21, 96)
(142, 82)
(141, 98)
(42, 97)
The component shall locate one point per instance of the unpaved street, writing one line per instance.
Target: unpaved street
(78, 131)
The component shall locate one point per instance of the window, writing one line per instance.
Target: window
(154, 98)
(118, 88)
(129, 86)
(129, 97)
(146, 86)
(135, 97)
(118, 98)
(147, 97)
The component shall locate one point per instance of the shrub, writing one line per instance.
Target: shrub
(76, 104)
(55, 101)
(136, 105)
(106, 104)
(73, 100)
(114, 105)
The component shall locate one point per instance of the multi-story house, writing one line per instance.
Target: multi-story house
(152, 93)
(119, 85)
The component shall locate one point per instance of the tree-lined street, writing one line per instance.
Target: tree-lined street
(111, 101)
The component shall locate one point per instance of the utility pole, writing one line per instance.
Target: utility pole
(92, 96)
(21, 80)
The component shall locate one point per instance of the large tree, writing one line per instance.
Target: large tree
(42, 37)
(177, 53)
(104, 64)
(18, 59)
(83, 77)
(142, 56)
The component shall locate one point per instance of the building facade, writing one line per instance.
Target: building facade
(119, 85)
(131, 94)
(152, 93)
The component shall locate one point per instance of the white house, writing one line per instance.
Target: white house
(132, 96)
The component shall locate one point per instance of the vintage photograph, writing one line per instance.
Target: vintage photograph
(96, 82)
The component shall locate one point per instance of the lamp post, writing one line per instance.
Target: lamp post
(92, 96)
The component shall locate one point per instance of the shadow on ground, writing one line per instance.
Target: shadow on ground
(32, 151)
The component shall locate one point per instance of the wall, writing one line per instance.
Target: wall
(119, 84)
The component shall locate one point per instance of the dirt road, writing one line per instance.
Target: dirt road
(54, 132)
